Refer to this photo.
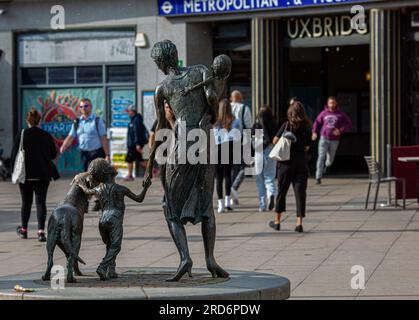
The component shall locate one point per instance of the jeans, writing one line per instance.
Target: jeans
(238, 175)
(265, 181)
(327, 152)
(27, 189)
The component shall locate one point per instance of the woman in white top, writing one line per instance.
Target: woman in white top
(227, 138)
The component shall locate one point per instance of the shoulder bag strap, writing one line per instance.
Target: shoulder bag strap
(21, 140)
(97, 119)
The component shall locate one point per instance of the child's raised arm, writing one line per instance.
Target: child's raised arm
(137, 197)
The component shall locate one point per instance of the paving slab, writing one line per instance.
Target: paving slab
(339, 233)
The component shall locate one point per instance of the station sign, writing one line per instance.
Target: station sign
(196, 7)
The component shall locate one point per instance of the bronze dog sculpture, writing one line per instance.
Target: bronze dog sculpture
(65, 227)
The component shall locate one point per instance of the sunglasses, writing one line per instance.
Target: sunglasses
(84, 106)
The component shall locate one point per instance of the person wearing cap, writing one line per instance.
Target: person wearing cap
(137, 138)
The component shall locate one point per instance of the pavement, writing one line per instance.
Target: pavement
(338, 235)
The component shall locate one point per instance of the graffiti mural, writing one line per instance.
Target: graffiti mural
(59, 108)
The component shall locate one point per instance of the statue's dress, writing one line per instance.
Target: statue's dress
(188, 187)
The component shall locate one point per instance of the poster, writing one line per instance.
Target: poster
(59, 107)
(118, 150)
(149, 111)
(120, 100)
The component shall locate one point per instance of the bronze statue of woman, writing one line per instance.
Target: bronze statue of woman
(188, 187)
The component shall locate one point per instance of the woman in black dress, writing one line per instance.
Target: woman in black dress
(295, 170)
(39, 150)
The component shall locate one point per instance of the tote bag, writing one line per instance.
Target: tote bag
(281, 151)
(19, 172)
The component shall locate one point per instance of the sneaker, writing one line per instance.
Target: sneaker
(262, 209)
(22, 233)
(271, 203)
(41, 236)
(318, 181)
(220, 206)
(129, 178)
(228, 203)
(235, 196)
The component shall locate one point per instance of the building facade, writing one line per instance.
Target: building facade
(280, 48)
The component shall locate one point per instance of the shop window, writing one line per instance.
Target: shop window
(121, 73)
(34, 76)
(61, 75)
(91, 74)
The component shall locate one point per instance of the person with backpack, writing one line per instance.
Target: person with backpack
(90, 132)
(137, 138)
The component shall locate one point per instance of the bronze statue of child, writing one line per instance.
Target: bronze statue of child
(220, 71)
(111, 197)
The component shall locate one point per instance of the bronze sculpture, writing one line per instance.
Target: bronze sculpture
(188, 187)
(111, 197)
(65, 227)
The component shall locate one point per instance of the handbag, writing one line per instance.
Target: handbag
(282, 150)
(19, 172)
(54, 171)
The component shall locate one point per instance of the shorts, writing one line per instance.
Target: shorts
(133, 155)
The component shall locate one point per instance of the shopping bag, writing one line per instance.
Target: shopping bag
(281, 151)
(19, 171)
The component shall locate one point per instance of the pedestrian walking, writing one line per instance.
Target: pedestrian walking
(39, 150)
(137, 138)
(293, 171)
(227, 133)
(90, 132)
(265, 181)
(332, 123)
(243, 114)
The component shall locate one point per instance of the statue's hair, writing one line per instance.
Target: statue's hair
(222, 66)
(100, 168)
(165, 51)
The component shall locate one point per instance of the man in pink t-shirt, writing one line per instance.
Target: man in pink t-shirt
(332, 123)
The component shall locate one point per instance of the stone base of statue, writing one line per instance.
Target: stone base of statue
(149, 283)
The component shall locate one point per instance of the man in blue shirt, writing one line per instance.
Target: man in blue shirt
(91, 134)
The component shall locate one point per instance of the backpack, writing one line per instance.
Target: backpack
(144, 137)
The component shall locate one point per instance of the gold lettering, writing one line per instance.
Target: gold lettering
(317, 28)
(345, 26)
(328, 22)
(292, 34)
(304, 29)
